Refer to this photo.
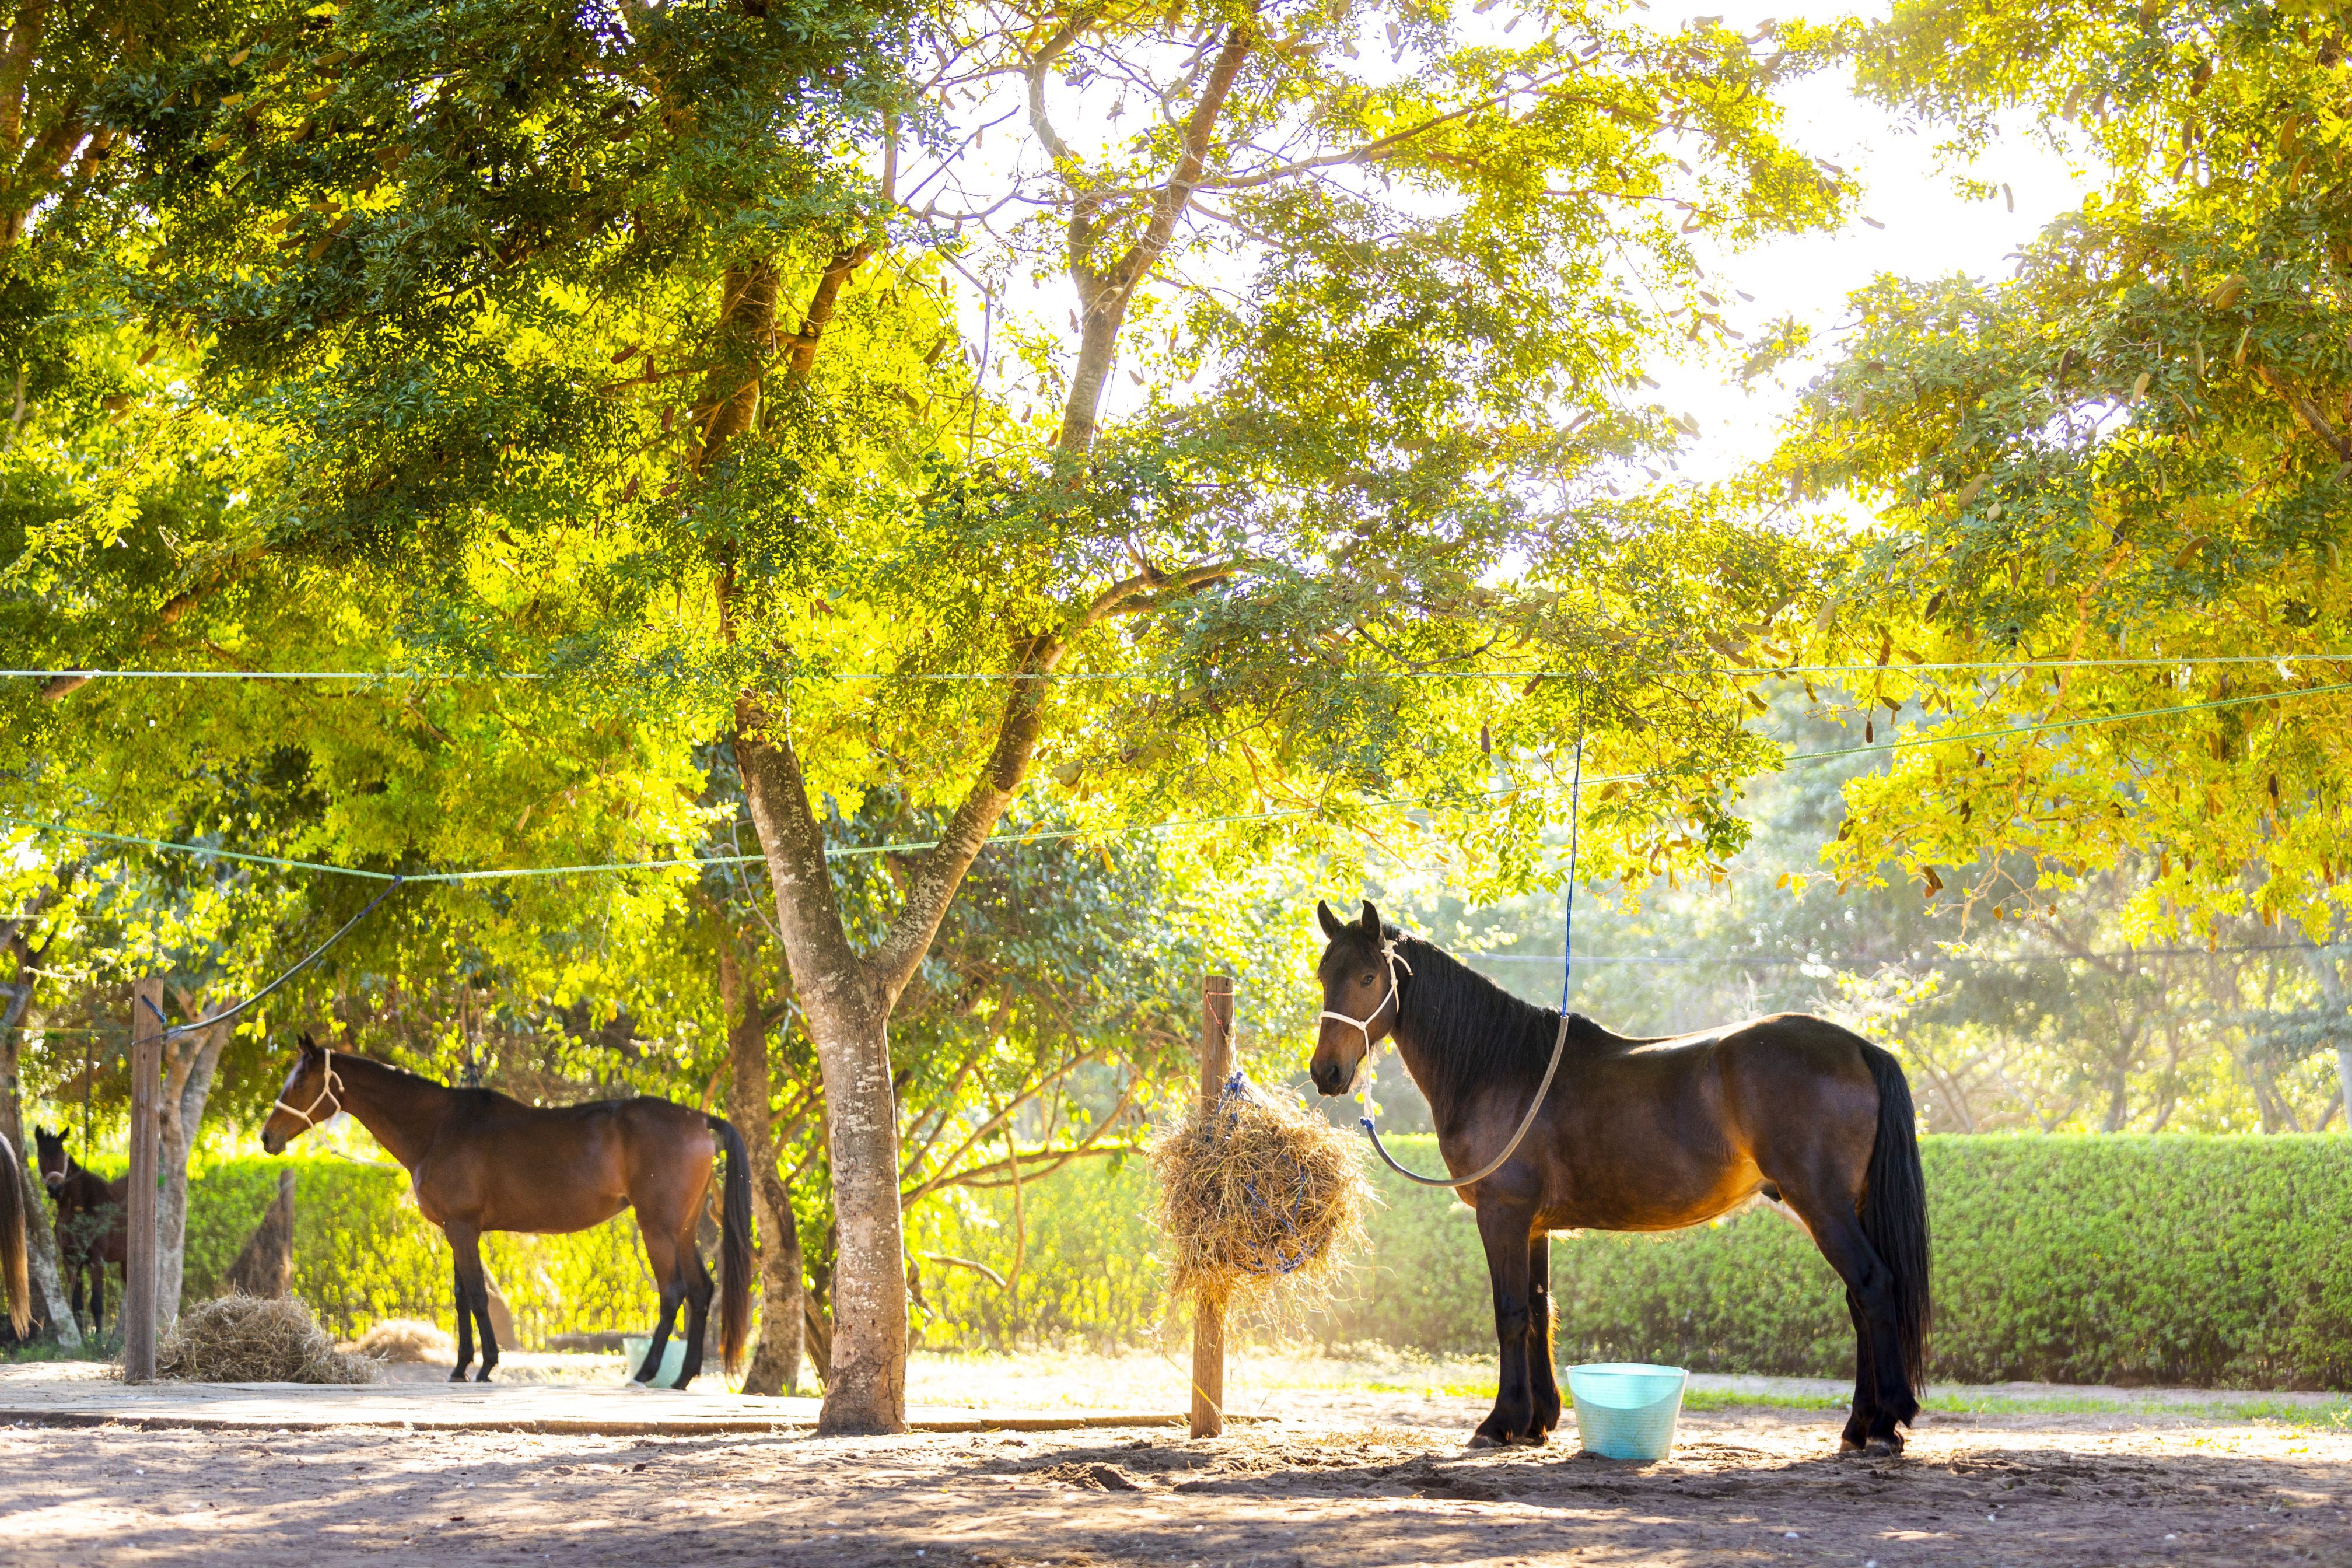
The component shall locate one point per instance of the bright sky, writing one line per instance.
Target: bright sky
(1930, 231)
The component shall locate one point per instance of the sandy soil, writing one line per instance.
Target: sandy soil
(1359, 1479)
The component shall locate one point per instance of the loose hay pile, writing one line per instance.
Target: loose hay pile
(1257, 1197)
(253, 1338)
(407, 1341)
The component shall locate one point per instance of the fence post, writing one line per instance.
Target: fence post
(139, 1267)
(1208, 1315)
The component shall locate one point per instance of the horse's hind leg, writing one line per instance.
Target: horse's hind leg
(1870, 1289)
(1506, 1231)
(1542, 1383)
(661, 1251)
(699, 1293)
(1866, 1385)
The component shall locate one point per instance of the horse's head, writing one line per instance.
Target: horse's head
(313, 1094)
(1359, 973)
(51, 1148)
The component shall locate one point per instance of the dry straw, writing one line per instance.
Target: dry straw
(409, 1340)
(1257, 1199)
(256, 1338)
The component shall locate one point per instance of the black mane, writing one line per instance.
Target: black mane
(1468, 1032)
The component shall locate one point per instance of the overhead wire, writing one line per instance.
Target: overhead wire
(1039, 836)
(2142, 661)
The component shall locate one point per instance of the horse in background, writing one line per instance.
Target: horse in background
(478, 1160)
(93, 1227)
(16, 1280)
(1644, 1134)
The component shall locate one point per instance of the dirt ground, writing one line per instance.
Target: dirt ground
(1364, 1474)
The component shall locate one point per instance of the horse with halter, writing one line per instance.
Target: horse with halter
(93, 1227)
(479, 1161)
(15, 1281)
(1642, 1134)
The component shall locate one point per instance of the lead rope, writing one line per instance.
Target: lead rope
(1560, 1041)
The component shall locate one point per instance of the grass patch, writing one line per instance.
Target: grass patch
(1725, 1399)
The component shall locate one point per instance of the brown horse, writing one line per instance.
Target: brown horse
(1645, 1136)
(93, 1227)
(478, 1161)
(16, 1283)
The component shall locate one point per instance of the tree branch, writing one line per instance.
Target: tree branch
(2310, 413)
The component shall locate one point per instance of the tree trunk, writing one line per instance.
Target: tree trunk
(866, 1386)
(776, 1359)
(2331, 991)
(189, 1063)
(40, 1237)
(265, 1265)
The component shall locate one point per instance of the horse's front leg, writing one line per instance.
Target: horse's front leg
(465, 1298)
(1542, 1383)
(474, 1291)
(1506, 1228)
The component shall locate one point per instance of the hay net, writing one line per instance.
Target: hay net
(1257, 1195)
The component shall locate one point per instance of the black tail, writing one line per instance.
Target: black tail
(1894, 1212)
(734, 1247)
(15, 1284)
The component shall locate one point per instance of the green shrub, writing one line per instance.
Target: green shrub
(2179, 1259)
(361, 1252)
(2176, 1260)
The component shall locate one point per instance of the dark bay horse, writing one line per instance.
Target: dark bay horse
(478, 1160)
(1645, 1136)
(93, 1227)
(15, 1282)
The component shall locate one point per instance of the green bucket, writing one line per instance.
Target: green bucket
(1626, 1410)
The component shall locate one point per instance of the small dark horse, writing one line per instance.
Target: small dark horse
(1645, 1136)
(478, 1160)
(15, 1282)
(93, 1225)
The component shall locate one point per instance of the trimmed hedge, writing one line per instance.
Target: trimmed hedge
(363, 1252)
(2217, 1261)
(2175, 1260)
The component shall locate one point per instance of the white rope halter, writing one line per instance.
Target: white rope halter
(328, 1092)
(1363, 1025)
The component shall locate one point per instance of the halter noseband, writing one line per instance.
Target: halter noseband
(1363, 1025)
(328, 1091)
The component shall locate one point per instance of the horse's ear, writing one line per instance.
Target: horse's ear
(309, 1046)
(1372, 922)
(1331, 926)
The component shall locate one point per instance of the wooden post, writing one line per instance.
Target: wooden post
(1208, 1316)
(139, 1267)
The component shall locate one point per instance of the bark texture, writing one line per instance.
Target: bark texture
(865, 1388)
(776, 1358)
(40, 1239)
(265, 1265)
(189, 1062)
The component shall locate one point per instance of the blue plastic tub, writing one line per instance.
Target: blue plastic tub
(634, 1346)
(1625, 1410)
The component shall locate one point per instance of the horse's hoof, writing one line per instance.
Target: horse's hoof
(1536, 1438)
(1883, 1447)
(1849, 1445)
(458, 1375)
(1484, 1440)
(483, 1376)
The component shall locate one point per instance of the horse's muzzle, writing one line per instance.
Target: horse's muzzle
(1331, 1079)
